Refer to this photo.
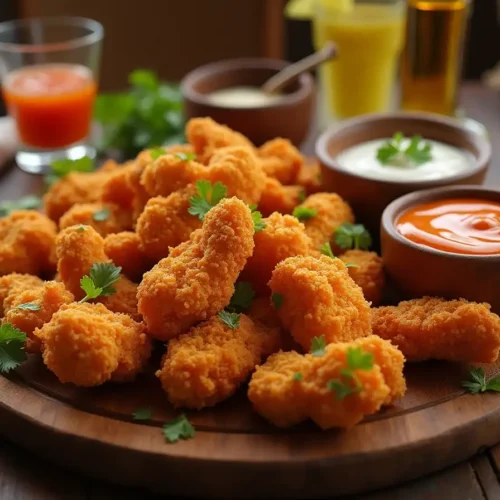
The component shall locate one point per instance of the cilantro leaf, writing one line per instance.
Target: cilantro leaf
(357, 359)
(28, 306)
(100, 280)
(318, 346)
(180, 428)
(418, 151)
(304, 213)
(81, 228)
(29, 202)
(277, 299)
(142, 414)
(242, 297)
(356, 236)
(326, 249)
(156, 153)
(232, 320)
(61, 168)
(208, 196)
(185, 156)
(477, 382)
(12, 342)
(392, 153)
(90, 289)
(258, 223)
(340, 388)
(297, 376)
(101, 215)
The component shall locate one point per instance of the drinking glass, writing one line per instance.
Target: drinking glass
(49, 71)
(369, 36)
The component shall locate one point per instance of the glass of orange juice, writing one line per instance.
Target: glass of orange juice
(48, 71)
(369, 35)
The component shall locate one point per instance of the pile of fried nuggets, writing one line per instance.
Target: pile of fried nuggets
(179, 272)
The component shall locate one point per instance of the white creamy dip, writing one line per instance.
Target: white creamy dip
(446, 161)
(243, 97)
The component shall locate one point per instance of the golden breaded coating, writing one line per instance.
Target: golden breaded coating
(26, 241)
(104, 218)
(125, 251)
(13, 284)
(208, 363)
(290, 387)
(206, 136)
(281, 160)
(309, 177)
(124, 300)
(320, 298)
(279, 198)
(369, 273)
(144, 158)
(197, 279)
(435, 328)
(238, 169)
(87, 345)
(284, 236)
(332, 211)
(76, 187)
(48, 298)
(166, 222)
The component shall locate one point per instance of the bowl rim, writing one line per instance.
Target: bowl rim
(306, 82)
(407, 201)
(481, 161)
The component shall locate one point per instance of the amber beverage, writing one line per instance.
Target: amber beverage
(432, 58)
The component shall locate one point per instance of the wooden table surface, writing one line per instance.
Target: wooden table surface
(25, 476)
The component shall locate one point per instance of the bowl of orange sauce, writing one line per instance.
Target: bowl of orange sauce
(444, 242)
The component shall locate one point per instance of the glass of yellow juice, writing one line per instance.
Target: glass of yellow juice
(369, 35)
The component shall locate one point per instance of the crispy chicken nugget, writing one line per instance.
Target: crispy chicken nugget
(278, 198)
(104, 218)
(13, 284)
(197, 279)
(125, 251)
(435, 328)
(208, 363)
(207, 136)
(284, 236)
(166, 222)
(26, 241)
(281, 159)
(290, 387)
(309, 176)
(144, 158)
(332, 211)
(44, 300)
(320, 298)
(87, 345)
(369, 273)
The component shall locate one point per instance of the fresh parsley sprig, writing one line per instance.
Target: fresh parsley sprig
(318, 346)
(12, 341)
(28, 306)
(100, 280)
(61, 168)
(304, 213)
(179, 428)
(477, 382)
(242, 297)
(30, 202)
(258, 223)
(326, 249)
(349, 236)
(230, 319)
(393, 153)
(208, 196)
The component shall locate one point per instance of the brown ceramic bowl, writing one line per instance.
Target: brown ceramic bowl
(289, 118)
(416, 270)
(369, 197)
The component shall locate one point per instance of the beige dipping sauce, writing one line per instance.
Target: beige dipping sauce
(243, 97)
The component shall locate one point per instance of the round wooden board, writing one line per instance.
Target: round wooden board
(235, 453)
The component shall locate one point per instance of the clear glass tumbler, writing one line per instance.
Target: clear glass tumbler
(49, 72)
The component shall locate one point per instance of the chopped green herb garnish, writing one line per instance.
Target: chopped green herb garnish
(208, 196)
(353, 236)
(156, 153)
(28, 306)
(101, 215)
(326, 249)
(185, 156)
(30, 202)
(393, 153)
(61, 168)
(277, 299)
(142, 414)
(258, 223)
(478, 383)
(81, 228)
(297, 376)
(180, 428)
(100, 281)
(232, 320)
(304, 213)
(242, 297)
(318, 346)
(12, 342)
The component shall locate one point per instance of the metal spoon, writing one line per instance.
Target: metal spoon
(286, 75)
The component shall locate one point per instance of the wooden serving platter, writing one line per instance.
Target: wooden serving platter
(235, 453)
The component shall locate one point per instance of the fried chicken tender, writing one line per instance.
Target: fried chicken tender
(278, 198)
(87, 345)
(309, 176)
(104, 218)
(290, 387)
(197, 279)
(281, 160)
(284, 236)
(207, 136)
(207, 364)
(320, 298)
(435, 328)
(76, 187)
(26, 240)
(48, 298)
(125, 251)
(166, 222)
(13, 284)
(369, 273)
(332, 211)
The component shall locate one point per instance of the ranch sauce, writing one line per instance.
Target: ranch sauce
(243, 97)
(446, 161)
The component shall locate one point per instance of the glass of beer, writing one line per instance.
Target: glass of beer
(432, 58)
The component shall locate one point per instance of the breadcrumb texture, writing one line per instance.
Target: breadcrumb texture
(279, 198)
(320, 298)
(435, 328)
(281, 160)
(13, 284)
